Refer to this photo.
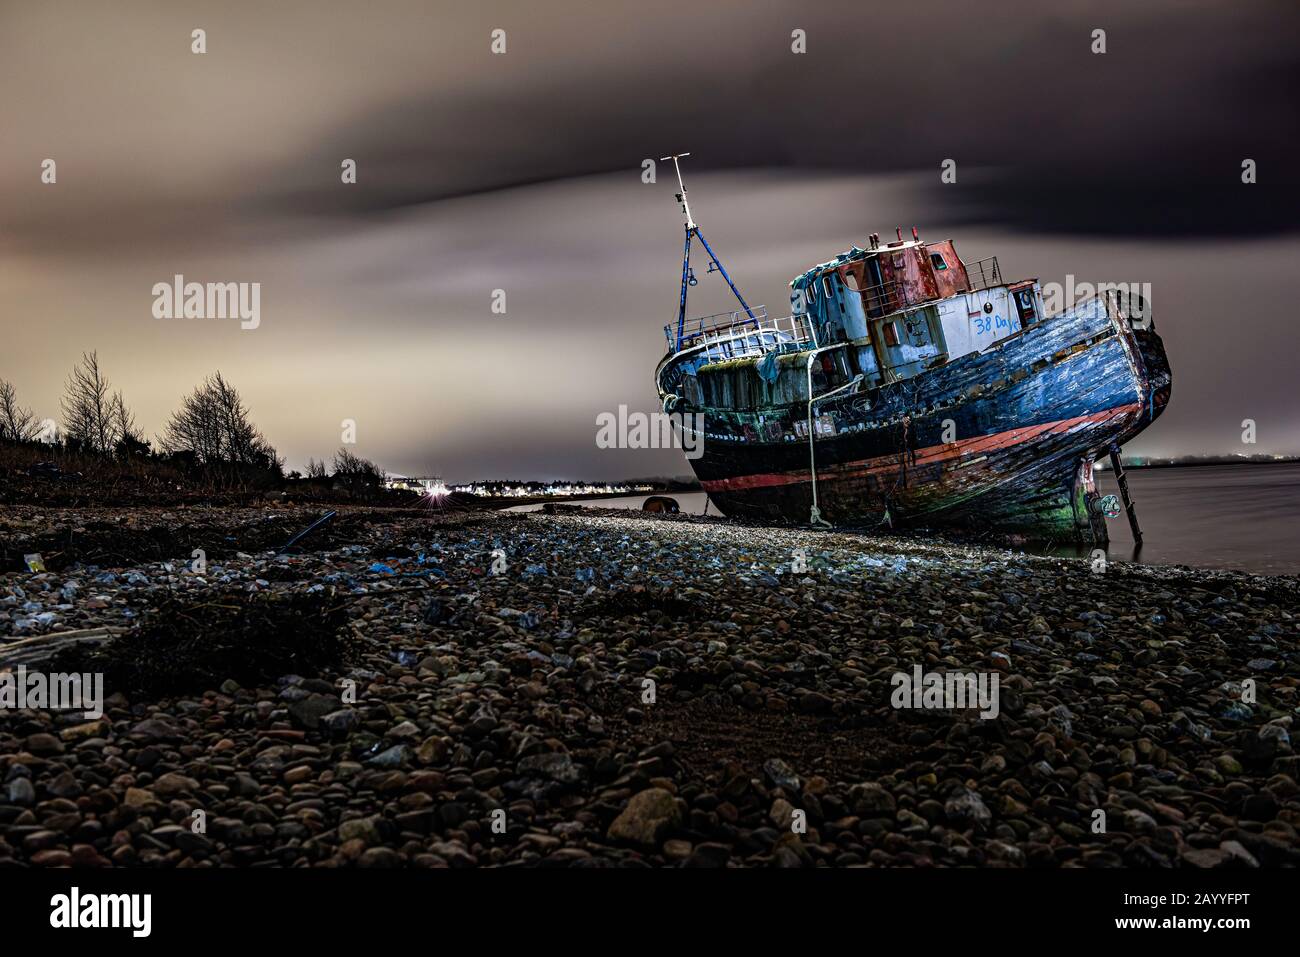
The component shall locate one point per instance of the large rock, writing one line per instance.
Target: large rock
(781, 775)
(965, 808)
(22, 792)
(431, 750)
(308, 712)
(363, 829)
(139, 797)
(781, 814)
(872, 800)
(341, 722)
(172, 784)
(395, 757)
(44, 745)
(154, 729)
(648, 818)
(555, 765)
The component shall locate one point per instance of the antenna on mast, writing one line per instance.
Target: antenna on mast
(681, 196)
(688, 274)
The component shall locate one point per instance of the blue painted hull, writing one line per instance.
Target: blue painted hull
(1002, 439)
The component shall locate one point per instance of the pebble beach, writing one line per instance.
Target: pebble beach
(586, 688)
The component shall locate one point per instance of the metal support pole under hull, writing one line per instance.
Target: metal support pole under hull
(1121, 477)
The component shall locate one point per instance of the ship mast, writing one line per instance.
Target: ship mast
(688, 277)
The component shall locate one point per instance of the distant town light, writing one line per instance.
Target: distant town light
(433, 487)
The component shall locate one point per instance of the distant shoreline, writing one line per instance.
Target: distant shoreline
(1128, 467)
(684, 485)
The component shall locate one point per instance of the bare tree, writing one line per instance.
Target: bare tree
(316, 469)
(355, 473)
(16, 423)
(196, 428)
(122, 418)
(213, 427)
(130, 440)
(88, 415)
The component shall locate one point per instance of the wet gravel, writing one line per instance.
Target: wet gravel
(606, 689)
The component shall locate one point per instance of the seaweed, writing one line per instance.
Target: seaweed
(195, 644)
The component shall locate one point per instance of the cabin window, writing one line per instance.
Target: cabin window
(835, 367)
(827, 287)
(890, 329)
(938, 261)
(812, 291)
(1025, 307)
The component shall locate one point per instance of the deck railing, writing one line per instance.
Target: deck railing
(737, 335)
(718, 320)
(984, 273)
(882, 298)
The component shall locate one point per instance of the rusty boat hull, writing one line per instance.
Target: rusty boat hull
(1000, 440)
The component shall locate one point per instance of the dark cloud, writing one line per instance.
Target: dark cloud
(1148, 138)
(522, 172)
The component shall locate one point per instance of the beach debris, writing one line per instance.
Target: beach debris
(198, 641)
(696, 670)
(660, 504)
(435, 612)
(51, 470)
(308, 530)
(30, 651)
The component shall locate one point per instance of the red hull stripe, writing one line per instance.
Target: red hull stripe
(930, 455)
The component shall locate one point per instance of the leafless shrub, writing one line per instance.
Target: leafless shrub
(17, 424)
(212, 432)
(355, 473)
(93, 418)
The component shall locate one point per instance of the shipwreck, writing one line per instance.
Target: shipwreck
(908, 387)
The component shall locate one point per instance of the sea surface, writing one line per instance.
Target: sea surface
(1243, 517)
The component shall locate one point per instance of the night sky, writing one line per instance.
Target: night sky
(522, 172)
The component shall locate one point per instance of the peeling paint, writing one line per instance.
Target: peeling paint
(919, 339)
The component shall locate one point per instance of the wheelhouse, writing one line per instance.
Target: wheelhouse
(881, 314)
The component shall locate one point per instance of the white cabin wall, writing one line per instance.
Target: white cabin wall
(968, 328)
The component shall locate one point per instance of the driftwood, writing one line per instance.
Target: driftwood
(29, 651)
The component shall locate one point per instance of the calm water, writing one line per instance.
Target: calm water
(1245, 517)
(1215, 516)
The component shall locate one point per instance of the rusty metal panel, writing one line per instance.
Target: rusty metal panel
(951, 280)
(919, 284)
